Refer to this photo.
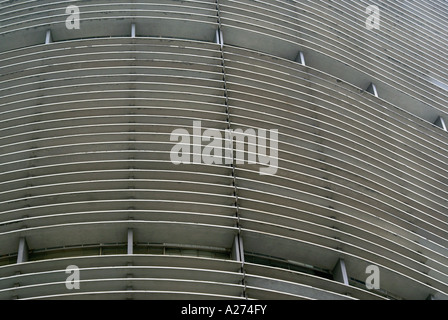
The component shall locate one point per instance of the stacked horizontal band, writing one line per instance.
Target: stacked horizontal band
(79, 150)
(163, 277)
(329, 35)
(342, 185)
(86, 128)
(334, 38)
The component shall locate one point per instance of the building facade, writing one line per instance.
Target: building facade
(98, 97)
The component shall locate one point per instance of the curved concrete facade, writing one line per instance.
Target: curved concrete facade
(86, 177)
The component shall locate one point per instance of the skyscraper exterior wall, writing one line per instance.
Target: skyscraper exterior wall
(223, 149)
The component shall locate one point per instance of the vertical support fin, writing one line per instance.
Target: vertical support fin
(340, 272)
(48, 37)
(22, 254)
(130, 241)
(301, 58)
(441, 123)
(372, 89)
(133, 30)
